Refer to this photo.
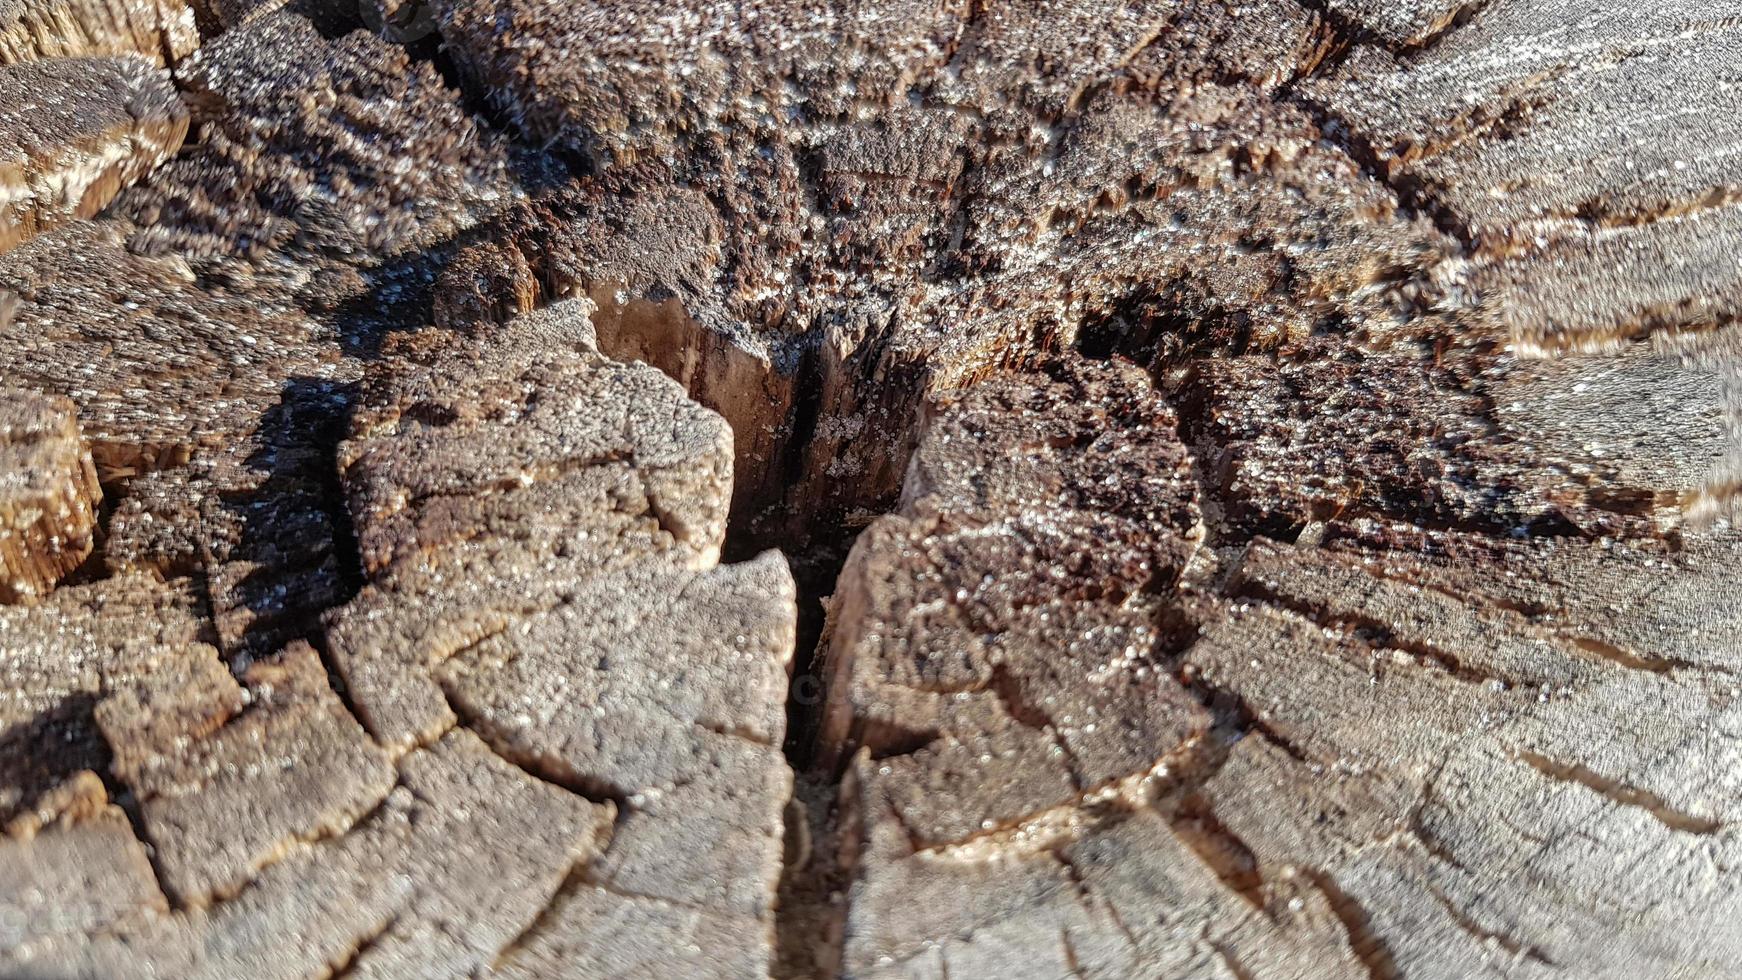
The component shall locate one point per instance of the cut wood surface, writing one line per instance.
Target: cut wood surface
(1384, 748)
(48, 494)
(1073, 488)
(74, 132)
(160, 31)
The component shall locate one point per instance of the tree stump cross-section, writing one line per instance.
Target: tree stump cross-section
(1073, 488)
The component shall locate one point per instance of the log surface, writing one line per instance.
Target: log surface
(75, 132)
(49, 494)
(1247, 450)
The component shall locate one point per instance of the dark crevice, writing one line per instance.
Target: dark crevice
(1008, 687)
(294, 524)
(1414, 196)
(1364, 940)
(801, 426)
(1232, 962)
(574, 881)
(1375, 634)
(734, 732)
(1459, 19)
(592, 789)
(335, 679)
(122, 796)
(1195, 823)
(95, 567)
(1418, 826)
(1622, 794)
(332, 20)
(1086, 895)
(890, 741)
(814, 881)
(368, 942)
(606, 886)
(346, 550)
(1339, 37)
(1161, 329)
(1236, 719)
(487, 113)
(1209, 469)
(815, 572)
(1346, 35)
(1484, 935)
(1649, 663)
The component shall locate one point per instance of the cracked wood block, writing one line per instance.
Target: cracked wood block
(196, 310)
(57, 659)
(1411, 739)
(73, 869)
(594, 932)
(1454, 438)
(664, 689)
(48, 494)
(219, 405)
(256, 519)
(98, 628)
(159, 371)
(541, 527)
(1450, 439)
(1636, 430)
(1000, 648)
(418, 169)
(1112, 892)
(478, 439)
(227, 776)
(456, 862)
(1611, 217)
(74, 132)
(853, 213)
(1581, 152)
(1512, 780)
(822, 221)
(182, 323)
(994, 631)
(471, 468)
(160, 31)
(1446, 725)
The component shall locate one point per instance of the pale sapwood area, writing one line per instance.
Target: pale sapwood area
(870, 489)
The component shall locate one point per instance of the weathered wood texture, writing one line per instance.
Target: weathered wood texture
(504, 519)
(860, 207)
(1584, 151)
(74, 132)
(1404, 745)
(1248, 609)
(544, 642)
(48, 494)
(161, 31)
(988, 183)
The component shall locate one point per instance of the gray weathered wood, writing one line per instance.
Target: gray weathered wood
(1247, 607)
